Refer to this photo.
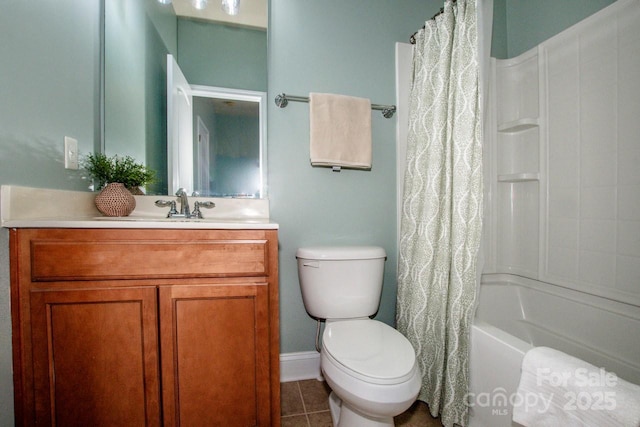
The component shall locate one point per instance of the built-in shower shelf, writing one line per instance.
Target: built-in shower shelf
(519, 177)
(518, 125)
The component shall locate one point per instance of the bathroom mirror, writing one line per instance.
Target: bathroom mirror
(138, 36)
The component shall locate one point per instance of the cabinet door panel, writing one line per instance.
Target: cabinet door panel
(95, 357)
(215, 355)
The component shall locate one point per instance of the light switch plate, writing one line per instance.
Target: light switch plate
(70, 153)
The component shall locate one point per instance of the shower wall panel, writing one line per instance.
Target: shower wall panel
(566, 158)
(592, 227)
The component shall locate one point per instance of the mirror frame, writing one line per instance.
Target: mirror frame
(234, 95)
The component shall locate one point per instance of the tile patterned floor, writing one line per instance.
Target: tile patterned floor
(304, 404)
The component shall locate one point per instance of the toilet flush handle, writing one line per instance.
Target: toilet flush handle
(314, 264)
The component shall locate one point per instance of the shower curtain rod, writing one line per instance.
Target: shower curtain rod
(412, 39)
(282, 101)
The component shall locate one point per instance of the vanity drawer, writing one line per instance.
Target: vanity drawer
(69, 259)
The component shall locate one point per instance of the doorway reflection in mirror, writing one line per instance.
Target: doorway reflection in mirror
(227, 160)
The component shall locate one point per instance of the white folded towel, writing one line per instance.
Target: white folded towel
(560, 390)
(340, 131)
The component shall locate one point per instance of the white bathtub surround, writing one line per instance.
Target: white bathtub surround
(563, 168)
(558, 389)
(442, 208)
(516, 314)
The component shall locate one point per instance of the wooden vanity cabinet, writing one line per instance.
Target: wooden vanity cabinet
(145, 327)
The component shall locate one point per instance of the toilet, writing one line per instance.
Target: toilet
(370, 367)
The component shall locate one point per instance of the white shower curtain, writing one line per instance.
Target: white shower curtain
(442, 208)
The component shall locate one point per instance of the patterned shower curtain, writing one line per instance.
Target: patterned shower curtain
(442, 208)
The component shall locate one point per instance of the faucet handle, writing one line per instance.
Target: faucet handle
(196, 208)
(172, 206)
(207, 205)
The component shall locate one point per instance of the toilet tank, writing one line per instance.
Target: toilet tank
(341, 282)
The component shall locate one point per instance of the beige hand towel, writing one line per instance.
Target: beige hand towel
(340, 131)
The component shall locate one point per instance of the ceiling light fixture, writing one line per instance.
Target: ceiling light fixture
(164, 1)
(231, 7)
(199, 4)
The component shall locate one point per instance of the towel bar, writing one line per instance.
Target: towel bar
(282, 101)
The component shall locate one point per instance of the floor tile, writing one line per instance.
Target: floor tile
(315, 395)
(320, 419)
(294, 421)
(417, 415)
(290, 399)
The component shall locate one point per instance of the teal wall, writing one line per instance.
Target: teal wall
(138, 36)
(222, 55)
(499, 36)
(346, 48)
(49, 88)
(155, 125)
(234, 155)
(527, 23)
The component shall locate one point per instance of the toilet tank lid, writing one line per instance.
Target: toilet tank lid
(341, 252)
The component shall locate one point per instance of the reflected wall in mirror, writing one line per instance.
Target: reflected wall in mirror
(138, 36)
(228, 127)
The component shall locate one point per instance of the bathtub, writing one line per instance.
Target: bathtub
(514, 314)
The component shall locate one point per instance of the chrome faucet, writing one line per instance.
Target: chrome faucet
(184, 203)
(184, 206)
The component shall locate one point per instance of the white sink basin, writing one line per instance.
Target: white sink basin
(165, 219)
(139, 221)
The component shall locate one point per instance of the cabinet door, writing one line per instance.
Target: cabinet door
(95, 354)
(215, 355)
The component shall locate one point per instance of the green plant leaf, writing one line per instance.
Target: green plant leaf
(125, 170)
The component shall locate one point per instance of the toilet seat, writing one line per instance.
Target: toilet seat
(369, 350)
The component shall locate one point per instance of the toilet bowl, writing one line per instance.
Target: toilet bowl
(370, 367)
(372, 372)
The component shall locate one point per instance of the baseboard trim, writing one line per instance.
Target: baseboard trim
(304, 365)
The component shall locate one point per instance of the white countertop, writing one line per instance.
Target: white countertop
(23, 207)
(106, 222)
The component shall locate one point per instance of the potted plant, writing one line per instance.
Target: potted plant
(118, 178)
(105, 170)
